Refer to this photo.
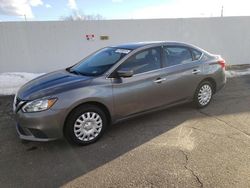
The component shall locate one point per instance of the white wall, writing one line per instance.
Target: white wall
(46, 46)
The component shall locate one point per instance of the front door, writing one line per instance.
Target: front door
(139, 92)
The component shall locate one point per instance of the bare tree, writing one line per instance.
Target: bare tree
(77, 15)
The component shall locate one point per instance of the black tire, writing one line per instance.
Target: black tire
(74, 115)
(198, 102)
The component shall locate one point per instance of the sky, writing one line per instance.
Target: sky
(43, 10)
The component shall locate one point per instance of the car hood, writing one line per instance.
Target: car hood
(51, 84)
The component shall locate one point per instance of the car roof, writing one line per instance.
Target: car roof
(135, 45)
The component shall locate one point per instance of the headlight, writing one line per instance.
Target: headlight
(38, 105)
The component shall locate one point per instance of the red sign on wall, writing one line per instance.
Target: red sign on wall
(90, 37)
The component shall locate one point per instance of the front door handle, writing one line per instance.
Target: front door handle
(159, 80)
(196, 71)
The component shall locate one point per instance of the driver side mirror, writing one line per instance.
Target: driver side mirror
(125, 73)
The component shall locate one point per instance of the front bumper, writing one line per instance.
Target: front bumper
(39, 126)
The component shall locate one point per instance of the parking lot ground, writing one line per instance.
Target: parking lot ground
(176, 147)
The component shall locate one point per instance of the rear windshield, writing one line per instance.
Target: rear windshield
(99, 62)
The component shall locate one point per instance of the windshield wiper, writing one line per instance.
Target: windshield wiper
(74, 72)
(70, 70)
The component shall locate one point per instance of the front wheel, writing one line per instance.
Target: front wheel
(85, 125)
(203, 94)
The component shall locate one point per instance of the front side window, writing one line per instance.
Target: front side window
(99, 62)
(144, 61)
(176, 55)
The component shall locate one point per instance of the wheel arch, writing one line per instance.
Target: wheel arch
(94, 103)
(212, 81)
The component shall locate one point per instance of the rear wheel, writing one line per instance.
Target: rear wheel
(85, 125)
(203, 94)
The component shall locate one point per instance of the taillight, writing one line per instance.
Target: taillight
(222, 63)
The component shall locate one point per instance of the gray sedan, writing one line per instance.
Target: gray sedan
(113, 84)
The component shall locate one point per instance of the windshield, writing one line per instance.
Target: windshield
(99, 62)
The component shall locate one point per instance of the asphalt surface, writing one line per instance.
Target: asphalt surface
(177, 147)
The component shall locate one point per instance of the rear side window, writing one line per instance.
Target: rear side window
(144, 61)
(176, 55)
(196, 54)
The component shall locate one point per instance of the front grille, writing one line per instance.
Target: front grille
(18, 103)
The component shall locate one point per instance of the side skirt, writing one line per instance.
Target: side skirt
(151, 110)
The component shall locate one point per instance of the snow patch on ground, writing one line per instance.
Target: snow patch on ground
(237, 73)
(10, 82)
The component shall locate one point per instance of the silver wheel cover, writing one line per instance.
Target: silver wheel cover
(205, 94)
(88, 126)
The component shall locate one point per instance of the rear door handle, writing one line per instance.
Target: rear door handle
(159, 80)
(196, 71)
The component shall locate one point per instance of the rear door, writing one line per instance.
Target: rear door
(182, 73)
